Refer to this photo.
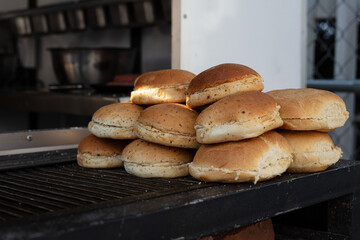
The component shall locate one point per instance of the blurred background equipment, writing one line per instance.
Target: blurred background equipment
(62, 59)
(91, 66)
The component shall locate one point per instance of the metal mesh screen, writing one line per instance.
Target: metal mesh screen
(333, 54)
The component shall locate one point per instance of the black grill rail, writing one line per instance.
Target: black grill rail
(16, 161)
(57, 199)
(39, 190)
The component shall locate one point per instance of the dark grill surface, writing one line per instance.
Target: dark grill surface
(48, 196)
(46, 189)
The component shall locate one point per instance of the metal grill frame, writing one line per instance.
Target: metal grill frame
(192, 213)
(45, 189)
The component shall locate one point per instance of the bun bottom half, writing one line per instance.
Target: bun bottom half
(91, 161)
(104, 131)
(312, 124)
(270, 167)
(314, 161)
(156, 170)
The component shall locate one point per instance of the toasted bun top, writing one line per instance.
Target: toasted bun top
(241, 106)
(217, 75)
(118, 114)
(143, 152)
(170, 117)
(163, 78)
(307, 103)
(240, 155)
(308, 141)
(101, 146)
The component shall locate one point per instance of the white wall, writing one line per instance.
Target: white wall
(268, 36)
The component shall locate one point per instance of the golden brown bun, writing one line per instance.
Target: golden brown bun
(312, 151)
(169, 124)
(253, 159)
(145, 159)
(163, 78)
(236, 117)
(161, 86)
(310, 109)
(222, 80)
(115, 121)
(94, 152)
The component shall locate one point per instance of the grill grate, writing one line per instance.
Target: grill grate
(53, 188)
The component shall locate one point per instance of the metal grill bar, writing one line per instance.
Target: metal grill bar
(92, 177)
(135, 182)
(153, 182)
(17, 161)
(47, 197)
(53, 188)
(44, 188)
(11, 212)
(21, 208)
(94, 186)
(18, 199)
(59, 188)
(71, 184)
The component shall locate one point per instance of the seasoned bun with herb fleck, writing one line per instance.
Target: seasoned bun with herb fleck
(169, 124)
(149, 160)
(115, 121)
(94, 152)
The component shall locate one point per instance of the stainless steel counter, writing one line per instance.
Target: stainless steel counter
(41, 140)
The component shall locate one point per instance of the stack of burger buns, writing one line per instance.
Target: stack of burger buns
(235, 130)
(162, 129)
(167, 141)
(218, 126)
(165, 128)
(111, 128)
(308, 114)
